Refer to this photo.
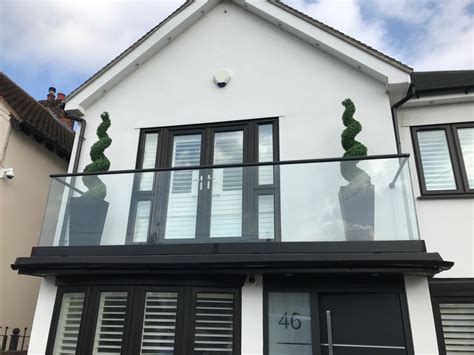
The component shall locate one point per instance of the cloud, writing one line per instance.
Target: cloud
(72, 39)
(425, 34)
(74, 36)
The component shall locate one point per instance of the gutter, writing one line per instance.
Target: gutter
(83, 122)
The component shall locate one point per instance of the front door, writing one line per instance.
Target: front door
(336, 316)
(361, 324)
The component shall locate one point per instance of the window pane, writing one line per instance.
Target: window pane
(214, 325)
(266, 217)
(149, 159)
(289, 328)
(458, 327)
(466, 140)
(69, 323)
(110, 323)
(183, 196)
(159, 324)
(265, 153)
(226, 214)
(436, 160)
(142, 219)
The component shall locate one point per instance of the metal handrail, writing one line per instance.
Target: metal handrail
(242, 165)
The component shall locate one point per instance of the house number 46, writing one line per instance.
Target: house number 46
(290, 321)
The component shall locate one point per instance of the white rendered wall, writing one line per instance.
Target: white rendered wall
(274, 74)
(421, 315)
(446, 225)
(43, 316)
(252, 318)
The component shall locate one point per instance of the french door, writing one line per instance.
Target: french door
(206, 205)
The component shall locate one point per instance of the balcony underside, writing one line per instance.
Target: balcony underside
(400, 257)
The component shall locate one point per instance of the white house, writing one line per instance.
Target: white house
(231, 224)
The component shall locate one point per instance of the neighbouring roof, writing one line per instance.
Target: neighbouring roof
(431, 82)
(278, 3)
(32, 118)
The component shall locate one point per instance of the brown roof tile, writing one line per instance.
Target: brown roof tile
(35, 119)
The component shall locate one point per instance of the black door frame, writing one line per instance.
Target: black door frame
(251, 189)
(133, 328)
(315, 285)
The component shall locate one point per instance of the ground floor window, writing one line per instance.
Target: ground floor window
(146, 320)
(453, 308)
(328, 318)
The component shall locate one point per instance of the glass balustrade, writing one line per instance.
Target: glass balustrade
(306, 201)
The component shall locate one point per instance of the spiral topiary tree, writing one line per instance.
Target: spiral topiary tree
(100, 163)
(352, 147)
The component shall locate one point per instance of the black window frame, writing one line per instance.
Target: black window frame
(163, 160)
(457, 160)
(132, 334)
(448, 291)
(315, 286)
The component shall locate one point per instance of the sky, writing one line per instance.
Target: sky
(61, 43)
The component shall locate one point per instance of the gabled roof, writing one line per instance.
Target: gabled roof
(255, 5)
(431, 82)
(34, 119)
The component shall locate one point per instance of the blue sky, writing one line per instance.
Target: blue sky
(63, 42)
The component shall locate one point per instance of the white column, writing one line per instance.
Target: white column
(252, 317)
(43, 316)
(421, 315)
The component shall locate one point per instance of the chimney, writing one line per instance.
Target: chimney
(51, 94)
(60, 96)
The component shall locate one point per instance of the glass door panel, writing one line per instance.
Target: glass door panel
(289, 323)
(227, 185)
(184, 188)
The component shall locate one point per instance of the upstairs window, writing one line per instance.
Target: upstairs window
(445, 159)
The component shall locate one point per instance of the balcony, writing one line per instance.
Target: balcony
(308, 201)
(248, 214)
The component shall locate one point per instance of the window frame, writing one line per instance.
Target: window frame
(448, 291)
(164, 160)
(133, 327)
(333, 284)
(455, 154)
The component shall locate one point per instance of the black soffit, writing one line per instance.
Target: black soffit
(408, 258)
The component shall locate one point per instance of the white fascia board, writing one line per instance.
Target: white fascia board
(439, 100)
(356, 57)
(139, 55)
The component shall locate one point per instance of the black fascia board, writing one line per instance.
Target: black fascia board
(259, 247)
(237, 262)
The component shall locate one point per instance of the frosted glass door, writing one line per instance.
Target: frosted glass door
(227, 183)
(183, 188)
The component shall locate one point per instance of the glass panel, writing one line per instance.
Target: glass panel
(149, 160)
(159, 324)
(316, 204)
(226, 214)
(214, 324)
(458, 327)
(436, 161)
(289, 323)
(265, 153)
(69, 323)
(266, 217)
(110, 323)
(466, 140)
(183, 196)
(142, 220)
